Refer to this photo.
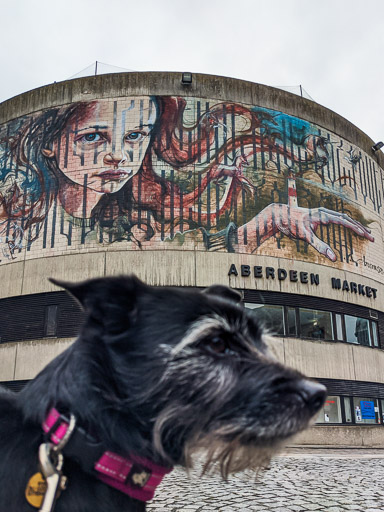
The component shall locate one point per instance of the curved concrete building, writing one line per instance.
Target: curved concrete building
(190, 184)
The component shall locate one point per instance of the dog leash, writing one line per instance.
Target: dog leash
(134, 476)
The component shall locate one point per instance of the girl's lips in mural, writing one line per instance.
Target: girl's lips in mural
(114, 174)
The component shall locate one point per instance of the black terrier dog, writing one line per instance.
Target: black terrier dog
(155, 374)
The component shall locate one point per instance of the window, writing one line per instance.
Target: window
(375, 335)
(271, 317)
(357, 330)
(339, 335)
(291, 322)
(331, 411)
(366, 410)
(351, 411)
(315, 324)
(347, 409)
(51, 320)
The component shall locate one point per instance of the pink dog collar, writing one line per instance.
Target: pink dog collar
(135, 476)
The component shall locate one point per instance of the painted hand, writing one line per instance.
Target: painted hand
(301, 224)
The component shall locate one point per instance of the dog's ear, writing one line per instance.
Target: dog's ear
(112, 301)
(224, 292)
(79, 290)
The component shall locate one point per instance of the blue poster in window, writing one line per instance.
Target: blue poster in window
(367, 410)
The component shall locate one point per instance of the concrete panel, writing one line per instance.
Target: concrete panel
(161, 83)
(369, 436)
(320, 359)
(72, 267)
(276, 347)
(162, 268)
(11, 279)
(355, 298)
(7, 361)
(368, 363)
(213, 267)
(33, 356)
(302, 271)
(373, 437)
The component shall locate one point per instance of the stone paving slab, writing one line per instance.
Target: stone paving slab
(297, 481)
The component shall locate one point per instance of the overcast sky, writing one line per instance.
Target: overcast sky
(333, 48)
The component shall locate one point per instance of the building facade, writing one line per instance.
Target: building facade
(214, 181)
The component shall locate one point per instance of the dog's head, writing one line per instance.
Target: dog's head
(191, 369)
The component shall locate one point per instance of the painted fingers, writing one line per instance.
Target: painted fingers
(326, 217)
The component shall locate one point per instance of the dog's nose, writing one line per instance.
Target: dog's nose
(313, 394)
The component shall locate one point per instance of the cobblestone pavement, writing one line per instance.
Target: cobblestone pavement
(297, 481)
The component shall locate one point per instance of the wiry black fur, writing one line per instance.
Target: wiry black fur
(125, 382)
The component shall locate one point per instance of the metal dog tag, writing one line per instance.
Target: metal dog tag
(51, 463)
(35, 490)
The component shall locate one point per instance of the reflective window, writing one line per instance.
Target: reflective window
(315, 324)
(357, 411)
(357, 330)
(331, 411)
(339, 327)
(291, 321)
(51, 320)
(366, 410)
(271, 317)
(347, 408)
(375, 334)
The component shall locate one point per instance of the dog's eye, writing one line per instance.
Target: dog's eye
(218, 345)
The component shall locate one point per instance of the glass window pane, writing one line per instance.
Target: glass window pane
(366, 410)
(357, 330)
(347, 408)
(291, 320)
(339, 328)
(271, 317)
(375, 334)
(315, 324)
(51, 321)
(331, 411)
(382, 411)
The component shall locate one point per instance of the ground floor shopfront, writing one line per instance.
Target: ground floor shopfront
(339, 345)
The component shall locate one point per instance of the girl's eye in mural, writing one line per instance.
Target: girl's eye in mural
(135, 136)
(90, 138)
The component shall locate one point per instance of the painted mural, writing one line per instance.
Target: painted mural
(186, 173)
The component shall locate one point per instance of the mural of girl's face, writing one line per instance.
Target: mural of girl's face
(103, 146)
